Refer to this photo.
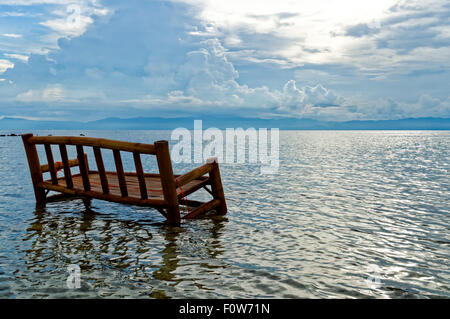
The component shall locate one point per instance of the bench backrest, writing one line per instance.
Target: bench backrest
(159, 148)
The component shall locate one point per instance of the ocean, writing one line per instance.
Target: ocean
(349, 214)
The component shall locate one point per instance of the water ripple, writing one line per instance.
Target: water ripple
(350, 214)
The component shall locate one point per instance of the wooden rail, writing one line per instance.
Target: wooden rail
(161, 191)
(58, 165)
(98, 142)
(194, 174)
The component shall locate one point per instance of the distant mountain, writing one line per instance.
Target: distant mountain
(155, 123)
(23, 124)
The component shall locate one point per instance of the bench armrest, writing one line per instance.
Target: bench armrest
(194, 174)
(59, 165)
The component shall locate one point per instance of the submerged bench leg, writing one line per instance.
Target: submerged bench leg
(173, 215)
(168, 182)
(216, 187)
(35, 169)
(87, 203)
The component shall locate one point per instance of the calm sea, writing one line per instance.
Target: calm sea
(350, 214)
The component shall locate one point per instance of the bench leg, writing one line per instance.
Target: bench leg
(173, 215)
(168, 182)
(87, 203)
(217, 189)
(40, 198)
(35, 169)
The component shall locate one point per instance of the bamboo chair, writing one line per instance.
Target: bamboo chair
(163, 191)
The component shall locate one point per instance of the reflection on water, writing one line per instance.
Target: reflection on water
(117, 257)
(349, 214)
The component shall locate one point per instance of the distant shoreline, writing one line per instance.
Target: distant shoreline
(290, 124)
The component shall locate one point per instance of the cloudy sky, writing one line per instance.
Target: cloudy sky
(328, 60)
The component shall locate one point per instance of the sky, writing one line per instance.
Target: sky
(316, 59)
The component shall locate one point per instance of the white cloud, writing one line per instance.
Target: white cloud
(311, 31)
(36, 2)
(12, 14)
(243, 57)
(50, 94)
(11, 35)
(296, 100)
(428, 106)
(56, 93)
(310, 23)
(5, 65)
(62, 19)
(210, 79)
(64, 27)
(74, 18)
(20, 57)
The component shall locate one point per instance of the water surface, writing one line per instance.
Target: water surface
(350, 214)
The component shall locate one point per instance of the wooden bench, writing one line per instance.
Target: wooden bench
(163, 191)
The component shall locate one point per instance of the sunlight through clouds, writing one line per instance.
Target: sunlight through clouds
(310, 28)
(320, 31)
(333, 60)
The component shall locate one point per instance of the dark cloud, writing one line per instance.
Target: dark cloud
(360, 30)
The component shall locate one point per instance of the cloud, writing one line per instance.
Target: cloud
(5, 65)
(295, 99)
(50, 94)
(11, 35)
(366, 35)
(75, 19)
(429, 106)
(388, 109)
(205, 77)
(167, 58)
(20, 57)
(208, 78)
(57, 94)
(33, 2)
(38, 25)
(297, 28)
(212, 77)
(360, 30)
